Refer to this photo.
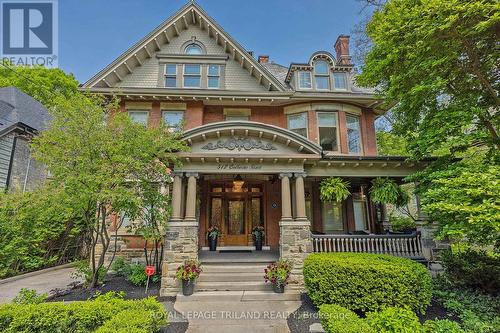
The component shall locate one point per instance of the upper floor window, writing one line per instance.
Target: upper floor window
(171, 75)
(194, 49)
(353, 134)
(173, 119)
(192, 76)
(340, 81)
(328, 130)
(213, 76)
(305, 80)
(298, 123)
(139, 117)
(322, 75)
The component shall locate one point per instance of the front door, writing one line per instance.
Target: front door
(236, 222)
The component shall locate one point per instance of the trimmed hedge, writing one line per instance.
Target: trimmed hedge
(82, 317)
(442, 326)
(394, 320)
(367, 282)
(336, 319)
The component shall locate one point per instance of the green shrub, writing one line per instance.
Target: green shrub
(394, 320)
(29, 296)
(477, 270)
(337, 319)
(120, 266)
(84, 271)
(442, 326)
(137, 275)
(367, 282)
(402, 223)
(136, 321)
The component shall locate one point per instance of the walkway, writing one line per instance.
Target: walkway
(43, 282)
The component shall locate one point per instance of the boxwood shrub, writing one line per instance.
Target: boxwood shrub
(367, 282)
(337, 319)
(394, 320)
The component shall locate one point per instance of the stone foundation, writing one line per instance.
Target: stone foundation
(181, 244)
(295, 245)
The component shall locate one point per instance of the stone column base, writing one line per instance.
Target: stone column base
(181, 244)
(295, 245)
(431, 248)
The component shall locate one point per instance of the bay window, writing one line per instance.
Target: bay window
(297, 123)
(353, 134)
(328, 130)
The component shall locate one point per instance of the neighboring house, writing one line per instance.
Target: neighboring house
(262, 137)
(21, 118)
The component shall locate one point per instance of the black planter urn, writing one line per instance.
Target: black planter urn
(279, 289)
(187, 287)
(212, 243)
(258, 244)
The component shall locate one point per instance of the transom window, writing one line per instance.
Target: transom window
(322, 75)
(139, 117)
(213, 76)
(305, 80)
(173, 119)
(193, 49)
(340, 81)
(353, 134)
(171, 75)
(192, 76)
(298, 123)
(328, 130)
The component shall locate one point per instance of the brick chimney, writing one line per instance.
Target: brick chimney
(342, 50)
(263, 59)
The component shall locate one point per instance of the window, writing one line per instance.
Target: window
(305, 80)
(192, 76)
(213, 76)
(353, 134)
(173, 119)
(322, 75)
(327, 125)
(171, 76)
(332, 217)
(125, 220)
(298, 123)
(139, 117)
(193, 49)
(360, 211)
(340, 81)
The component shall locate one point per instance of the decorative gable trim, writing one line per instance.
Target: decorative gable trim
(190, 14)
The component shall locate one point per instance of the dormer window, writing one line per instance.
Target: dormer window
(193, 49)
(322, 75)
(305, 80)
(340, 81)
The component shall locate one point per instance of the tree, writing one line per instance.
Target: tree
(100, 159)
(389, 144)
(43, 84)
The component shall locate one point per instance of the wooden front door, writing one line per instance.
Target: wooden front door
(236, 222)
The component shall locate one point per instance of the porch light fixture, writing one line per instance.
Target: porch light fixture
(238, 183)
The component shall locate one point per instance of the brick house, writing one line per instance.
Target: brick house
(262, 137)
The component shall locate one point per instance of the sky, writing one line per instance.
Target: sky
(92, 33)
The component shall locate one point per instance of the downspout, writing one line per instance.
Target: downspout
(27, 173)
(9, 171)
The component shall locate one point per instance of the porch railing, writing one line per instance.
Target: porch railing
(408, 246)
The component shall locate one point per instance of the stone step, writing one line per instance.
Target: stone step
(229, 286)
(234, 268)
(231, 277)
(239, 296)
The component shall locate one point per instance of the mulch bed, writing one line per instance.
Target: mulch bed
(307, 314)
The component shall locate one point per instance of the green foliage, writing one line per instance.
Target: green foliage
(190, 270)
(473, 269)
(334, 189)
(43, 83)
(84, 271)
(85, 316)
(387, 191)
(402, 223)
(134, 321)
(367, 282)
(29, 296)
(278, 272)
(442, 326)
(120, 266)
(389, 144)
(394, 320)
(337, 319)
(137, 275)
(37, 229)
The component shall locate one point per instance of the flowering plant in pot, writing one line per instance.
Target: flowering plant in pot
(258, 237)
(187, 274)
(278, 274)
(212, 234)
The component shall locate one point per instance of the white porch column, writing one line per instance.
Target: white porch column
(300, 196)
(176, 196)
(191, 197)
(286, 201)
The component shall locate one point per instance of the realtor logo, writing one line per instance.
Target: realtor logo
(29, 32)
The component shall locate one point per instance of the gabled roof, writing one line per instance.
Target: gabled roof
(19, 110)
(189, 14)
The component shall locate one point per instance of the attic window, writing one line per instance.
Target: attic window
(193, 49)
(322, 75)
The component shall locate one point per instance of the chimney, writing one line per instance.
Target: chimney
(342, 50)
(263, 59)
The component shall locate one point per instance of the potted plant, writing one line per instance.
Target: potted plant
(212, 234)
(187, 274)
(258, 237)
(278, 274)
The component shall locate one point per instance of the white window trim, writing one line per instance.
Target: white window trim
(184, 75)
(345, 79)
(217, 76)
(337, 127)
(361, 150)
(295, 114)
(165, 75)
(139, 111)
(310, 77)
(172, 111)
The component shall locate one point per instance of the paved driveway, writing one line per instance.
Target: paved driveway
(42, 283)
